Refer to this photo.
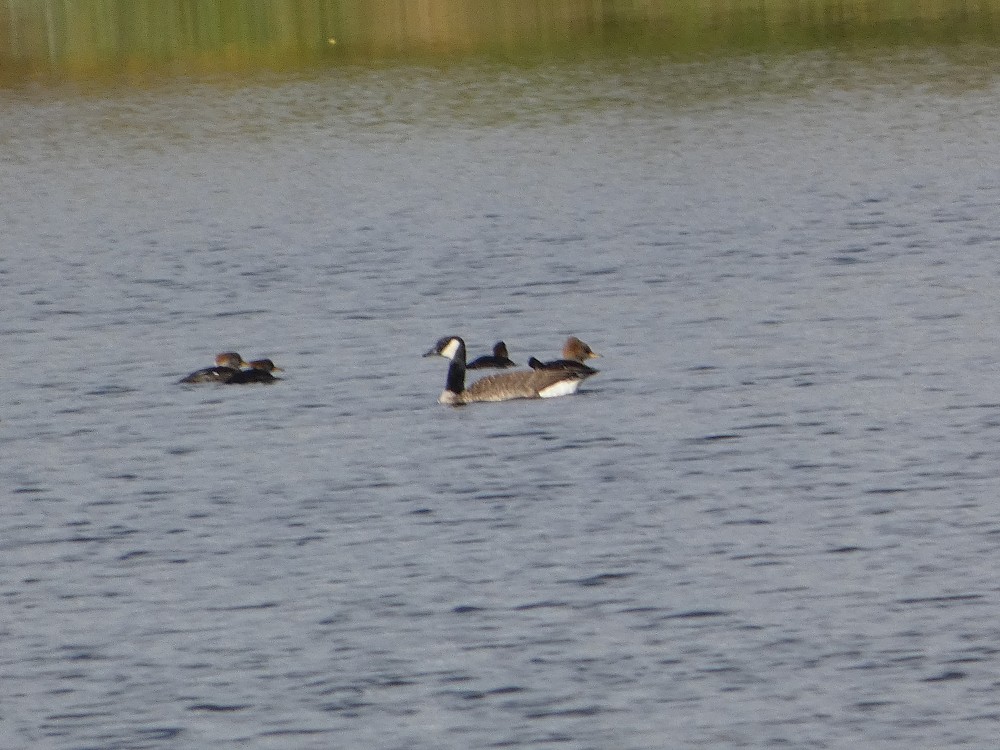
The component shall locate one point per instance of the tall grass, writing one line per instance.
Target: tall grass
(92, 38)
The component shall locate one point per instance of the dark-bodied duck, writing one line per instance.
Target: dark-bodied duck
(574, 353)
(498, 360)
(504, 387)
(227, 365)
(259, 372)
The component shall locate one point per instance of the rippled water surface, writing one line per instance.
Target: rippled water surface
(770, 521)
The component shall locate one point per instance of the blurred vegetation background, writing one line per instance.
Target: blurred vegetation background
(83, 39)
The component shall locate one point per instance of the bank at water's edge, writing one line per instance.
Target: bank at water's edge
(90, 39)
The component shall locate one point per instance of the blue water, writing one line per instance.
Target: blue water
(770, 521)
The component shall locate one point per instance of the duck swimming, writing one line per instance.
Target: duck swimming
(227, 365)
(259, 372)
(498, 360)
(504, 387)
(574, 353)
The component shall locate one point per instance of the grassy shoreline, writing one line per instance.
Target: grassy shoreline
(83, 39)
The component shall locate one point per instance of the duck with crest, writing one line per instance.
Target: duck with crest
(574, 353)
(227, 364)
(503, 387)
(258, 371)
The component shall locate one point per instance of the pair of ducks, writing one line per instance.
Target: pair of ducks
(559, 377)
(231, 369)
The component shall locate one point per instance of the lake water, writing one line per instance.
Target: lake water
(772, 520)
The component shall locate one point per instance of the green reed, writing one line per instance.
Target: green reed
(80, 39)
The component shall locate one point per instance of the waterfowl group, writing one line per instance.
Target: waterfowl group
(231, 369)
(558, 377)
(535, 383)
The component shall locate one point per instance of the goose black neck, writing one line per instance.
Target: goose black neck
(456, 371)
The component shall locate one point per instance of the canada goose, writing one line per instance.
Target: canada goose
(259, 372)
(504, 387)
(498, 360)
(574, 353)
(227, 364)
